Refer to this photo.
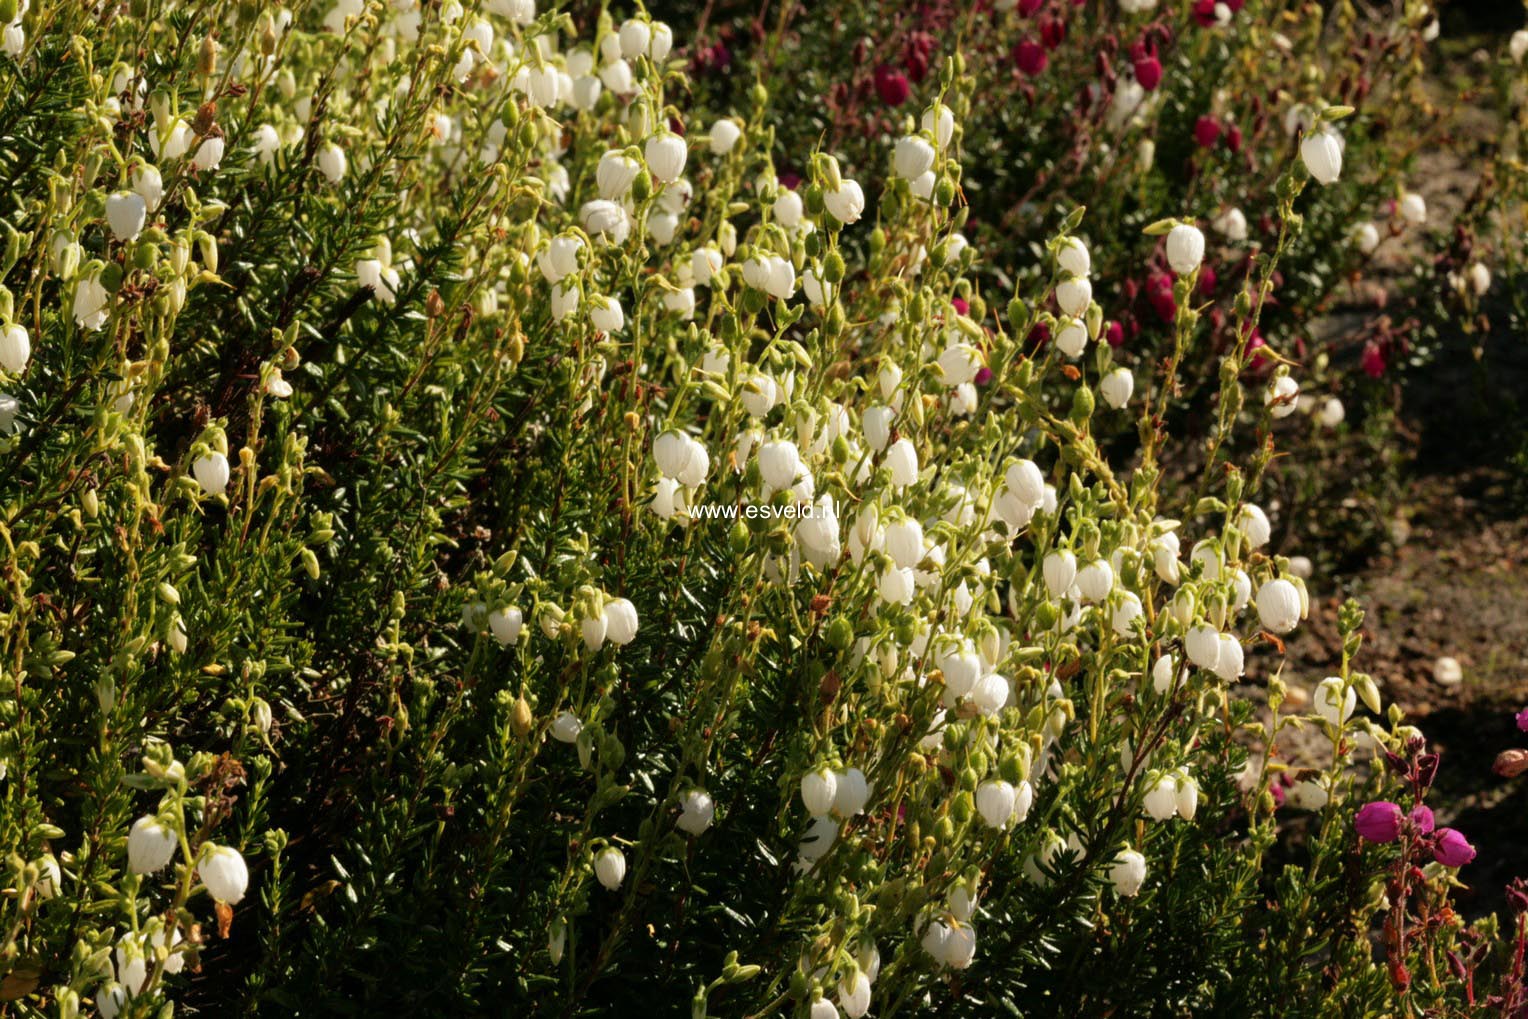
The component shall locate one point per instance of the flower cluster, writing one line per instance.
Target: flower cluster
(377, 370)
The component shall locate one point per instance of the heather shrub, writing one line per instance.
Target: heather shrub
(1141, 111)
(476, 543)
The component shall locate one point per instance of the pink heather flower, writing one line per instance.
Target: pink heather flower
(1204, 12)
(1234, 138)
(1206, 131)
(1379, 821)
(1422, 818)
(960, 305)
(1148, 71)
(1207, 279)
(983, 375)
(892, 86)
(1052, 32)
(1030, 57)
(1028, 7)
(1522, 720)
(1373, 361)
(1452, 849)
(1115, 334)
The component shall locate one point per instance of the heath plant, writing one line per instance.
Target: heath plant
(476, 542)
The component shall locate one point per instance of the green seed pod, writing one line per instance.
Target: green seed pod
(840, 633)
(944, 190)
(1082, 406)
(833, 267)
(145, 255)
(877, 241)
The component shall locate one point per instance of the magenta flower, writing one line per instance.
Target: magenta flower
(1206, 131)
(1379, 821)
(1373, 361)
(891, 86)
(1421, 817)
(1148, 71)
(1522, 720)
(1030, 57)
(1452, 849)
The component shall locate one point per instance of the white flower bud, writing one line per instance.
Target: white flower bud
(1073, 257)
(1116, 387)
(876, 425)
(904, 542)
(822, 1008)
(15, 348)
(912, 157)
(1024, 479)
(665, 153)
(1333, 703)
(851, 793)
(1281, 396)
(897, 585)
(1187, 796)
(1072, 338)
(1232, 225)
(1278, 606)
(939, 121)
(224, 873)
(126, 214)
(995, 802)
(212, 473)
(610, 867)
(1128, 872)
(615, 173)
(1202, 644)
(724, 136)
(332, 163)
(1060, 571)
(150, 845)
(779, 464)
(818, 789)
(662, 42)
(209, 154)
(566, 727)
(620, 617)
(854, 994)
(635, 37)
(559, 258)
(1413, 208)
(696, 812)
(1230, 662)
(1185, 248)
(1126, 613)
(1448, 672)
(1095, 580)
(1322, 154)
(788, 210)
(1161, 802)
(1254, 526)
(1073, 295)
(1366, 237)
(902, 459)
(847, 203)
